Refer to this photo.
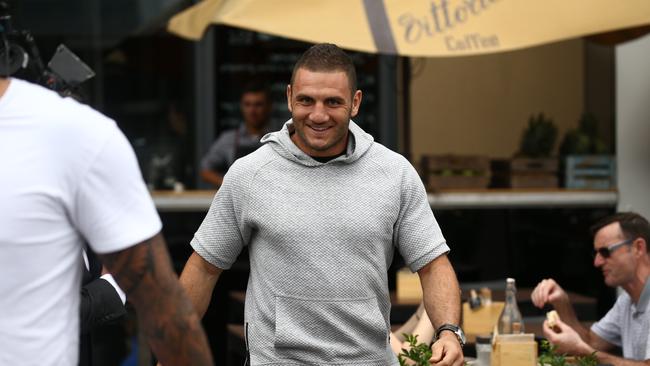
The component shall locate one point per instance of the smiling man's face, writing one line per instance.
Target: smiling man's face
(321, 105)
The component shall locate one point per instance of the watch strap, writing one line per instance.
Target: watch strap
(458, 332)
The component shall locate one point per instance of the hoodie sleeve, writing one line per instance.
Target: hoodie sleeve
(417, 235)
(223, 232)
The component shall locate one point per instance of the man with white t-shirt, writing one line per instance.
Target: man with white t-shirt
(68, 176)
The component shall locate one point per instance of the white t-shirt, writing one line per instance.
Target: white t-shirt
(67, 174)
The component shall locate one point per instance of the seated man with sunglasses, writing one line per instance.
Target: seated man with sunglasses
(621, 253)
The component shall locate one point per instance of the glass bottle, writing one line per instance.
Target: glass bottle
(510, 320)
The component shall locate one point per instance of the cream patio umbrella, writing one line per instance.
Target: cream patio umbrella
(417, 27)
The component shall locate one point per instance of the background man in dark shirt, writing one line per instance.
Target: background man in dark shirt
(255, 108)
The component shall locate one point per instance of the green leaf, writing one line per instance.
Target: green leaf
(590, 360)
(420, 353)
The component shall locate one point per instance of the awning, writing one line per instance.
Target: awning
(417, 27)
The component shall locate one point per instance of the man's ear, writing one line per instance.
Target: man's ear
(356, 103)
(289, 97)
(641, 245)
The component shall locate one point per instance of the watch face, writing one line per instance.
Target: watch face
(461, 336)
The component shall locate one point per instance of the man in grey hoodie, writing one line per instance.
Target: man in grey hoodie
(321, 208)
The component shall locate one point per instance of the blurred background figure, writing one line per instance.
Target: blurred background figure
(168, 164)
(255, 106)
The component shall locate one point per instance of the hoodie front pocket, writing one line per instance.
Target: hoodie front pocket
(333, 330)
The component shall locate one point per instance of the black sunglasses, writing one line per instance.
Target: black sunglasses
(606, 252)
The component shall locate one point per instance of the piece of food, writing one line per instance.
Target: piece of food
(552, 317)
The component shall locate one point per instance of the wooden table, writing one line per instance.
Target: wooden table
(403, 309)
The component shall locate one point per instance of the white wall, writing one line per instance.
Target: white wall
(633, 125)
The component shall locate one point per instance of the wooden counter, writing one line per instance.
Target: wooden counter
(170, 201)
(522, 198)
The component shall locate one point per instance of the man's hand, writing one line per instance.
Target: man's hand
(446, 351)
(566, 339)
(548, 291)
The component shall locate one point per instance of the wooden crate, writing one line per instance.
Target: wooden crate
(534, 165)
(526, 173)
(514, 350)
(590, 171)
(520, 180)
(434, 183)
(455, 171)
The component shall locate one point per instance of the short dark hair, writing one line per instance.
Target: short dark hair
(257, 86)
(327, 57)
(632, 224)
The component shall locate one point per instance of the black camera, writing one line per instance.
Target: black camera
(18, 54)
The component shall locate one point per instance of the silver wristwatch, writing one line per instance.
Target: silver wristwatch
(454, 329)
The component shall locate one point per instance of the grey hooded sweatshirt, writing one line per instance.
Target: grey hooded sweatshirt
(320, 237)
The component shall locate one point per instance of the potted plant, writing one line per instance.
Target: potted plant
(586, 159)
(533, 166)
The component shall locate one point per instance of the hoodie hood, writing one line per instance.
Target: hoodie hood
(359, 143)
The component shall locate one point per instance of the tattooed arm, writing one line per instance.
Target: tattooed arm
(165, 313)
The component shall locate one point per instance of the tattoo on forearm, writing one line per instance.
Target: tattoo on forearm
(165, 313)
(130, 266)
